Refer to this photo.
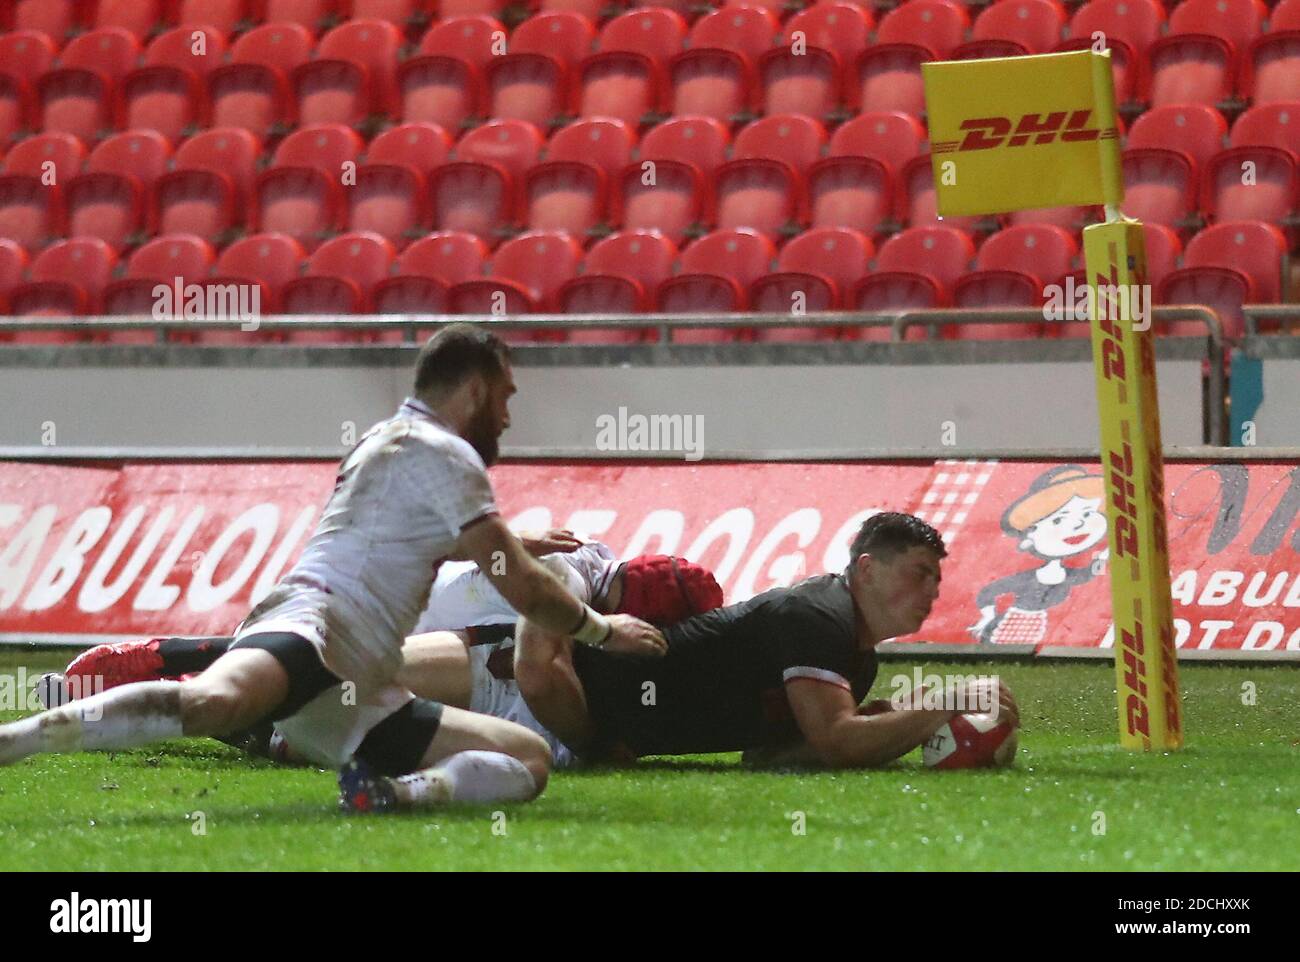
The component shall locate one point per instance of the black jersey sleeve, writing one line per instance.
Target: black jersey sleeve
(811, 643)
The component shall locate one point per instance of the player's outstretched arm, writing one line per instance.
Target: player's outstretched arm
(539, 596)
(841, 738)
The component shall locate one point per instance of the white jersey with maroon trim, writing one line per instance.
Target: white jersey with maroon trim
(464, 597)
(401, 499)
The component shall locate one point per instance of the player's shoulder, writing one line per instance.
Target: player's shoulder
(426, 438)
(823, 599)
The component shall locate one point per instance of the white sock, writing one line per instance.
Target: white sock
(468, 777)
(123, 717)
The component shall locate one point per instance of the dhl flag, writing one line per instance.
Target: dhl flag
(1014, 133)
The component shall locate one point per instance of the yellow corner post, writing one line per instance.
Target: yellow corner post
(1017, 133)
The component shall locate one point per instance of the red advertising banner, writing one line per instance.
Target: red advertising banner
(186, 548)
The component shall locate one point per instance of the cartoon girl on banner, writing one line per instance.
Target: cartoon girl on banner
(1059, 517)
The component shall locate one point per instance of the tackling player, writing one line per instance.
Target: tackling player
(320, 653)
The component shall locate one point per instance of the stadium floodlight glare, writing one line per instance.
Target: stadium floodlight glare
(1016, 133)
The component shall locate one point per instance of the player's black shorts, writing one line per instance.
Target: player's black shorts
(308, 676)
(615, 686)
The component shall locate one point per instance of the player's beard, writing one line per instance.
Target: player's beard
(482, 434)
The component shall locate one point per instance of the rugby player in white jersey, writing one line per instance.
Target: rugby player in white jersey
(320, 654)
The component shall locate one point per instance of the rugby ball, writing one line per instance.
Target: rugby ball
(971, 740)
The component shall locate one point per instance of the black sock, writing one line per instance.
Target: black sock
(185, 656)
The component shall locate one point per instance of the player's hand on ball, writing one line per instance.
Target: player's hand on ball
(987, 694)
(632, 636)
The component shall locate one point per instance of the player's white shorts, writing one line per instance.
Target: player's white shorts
(330, 728)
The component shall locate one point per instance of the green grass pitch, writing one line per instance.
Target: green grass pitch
(1229, 801)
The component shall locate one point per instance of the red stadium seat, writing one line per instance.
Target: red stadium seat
(892, 291)
(853, 192)
(621, 271)
(30, 212)
(160, 261)
(222, 15)
(564, 195)
(475, 39)
(1269, 125)
(1285, 16)
(606, 144)
(699, 141)
(299, 201)
(1039, 250)
(888, 77)
(842, 28)
(181, 50)
(701, 294)
(110, 200)
(77, 100)
(111, 52)
(766, 195)
(200, 202)
(1222, 289)
(448, 257)
(606, 295)
(526, 274)
(323, 85)
(513, 145)
(739, 257)
(619, 84)
(748, 31)
(325, 147)
(54, 18)
(389, 200)
(67, 277)
(231, 151)
(996, 288)
(252, 91)
(422, 147)
(526, 86)
(495, 296)
(1159, 186)
(64, 152)
(1236, 21)
(1270, 69)
(1073, 217)
(26, 54)
(645, 256)
(938, 252)
(743, 255)
(938, 26)
(795, 140)
(340, 277)
(673, 202)
(839, 254)
(1126, 68)
(272, 260)
(1136, 22)
(1255, 248)
(140, 17)
(13, 264)
(795, 294)
(400, 13)
(1034, 24)
(441, 90)
(476, 198)
(591, 9)
(1197, 130)
(563, 34)
(1249, 183)
(916, 198)
(892, 137)
(799, 83)
(309, 14)
(410, 295)
(653, 32)
(1190, 69)
(708, 82)
(167, 100)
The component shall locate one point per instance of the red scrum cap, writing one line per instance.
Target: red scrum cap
(664, 590)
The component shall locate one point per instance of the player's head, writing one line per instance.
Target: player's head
(464, 373)
(664, 590)
(894, 572)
